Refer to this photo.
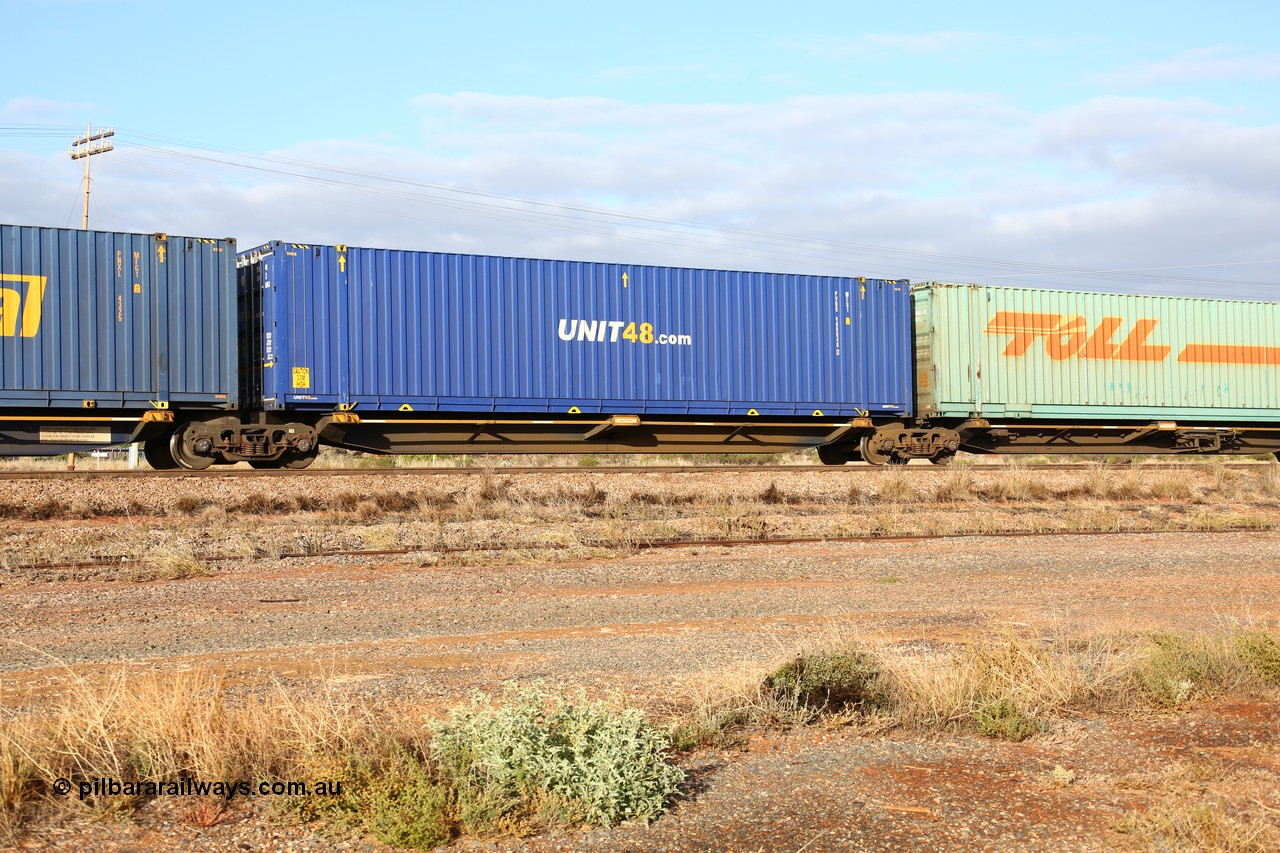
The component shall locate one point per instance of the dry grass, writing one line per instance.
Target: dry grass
(1017, 482)
(186, 534)
(1267, 482)
(897, 486)
(1009, 686)
(958, 486)
(386, 776)
(168, 561)
(1189, 823)
(169, 727)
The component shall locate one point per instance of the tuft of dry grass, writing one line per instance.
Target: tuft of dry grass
(898, 487)
(1187, 823)
(773, 495)
(958, 486)
(168, 561)
(1016, 482)
(169, 727)
(17, 781)
(1267, 483)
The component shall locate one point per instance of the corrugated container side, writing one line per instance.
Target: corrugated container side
(123, 320)
(386, 329)
(1007, 352)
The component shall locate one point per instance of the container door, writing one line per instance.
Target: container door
(159, 298)
(975, 315)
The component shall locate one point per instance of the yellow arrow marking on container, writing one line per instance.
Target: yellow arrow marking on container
(574, 410)
(625, 278)
(160, 253)
(342, 263)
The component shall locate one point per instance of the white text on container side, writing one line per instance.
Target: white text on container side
(614, 331)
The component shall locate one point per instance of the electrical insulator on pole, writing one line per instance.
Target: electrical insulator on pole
(84, 148)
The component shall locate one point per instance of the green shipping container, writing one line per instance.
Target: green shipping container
(1007, 352)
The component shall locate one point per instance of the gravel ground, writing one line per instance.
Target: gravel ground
(660, 624)
(658, 618)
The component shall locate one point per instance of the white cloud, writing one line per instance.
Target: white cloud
(1107, 183)
(1209, 64)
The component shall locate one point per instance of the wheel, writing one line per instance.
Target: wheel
(298, 461)
(190, 446)
(156, 452)
(873, 456)
(829, 454)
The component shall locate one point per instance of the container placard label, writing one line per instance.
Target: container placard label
(302, 377)
(75, 435)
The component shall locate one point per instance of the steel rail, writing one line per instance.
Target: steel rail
(650, 544)
(613, 469)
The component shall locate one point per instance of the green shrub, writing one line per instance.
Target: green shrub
(1260, 653)
(398, 799)
(1003, 720)
(540, 757)
(1175, 668)
(830, 680)
(408, 807)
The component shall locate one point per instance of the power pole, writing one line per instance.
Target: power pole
(84, 148)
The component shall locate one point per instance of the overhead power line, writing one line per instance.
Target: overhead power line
(581, 218)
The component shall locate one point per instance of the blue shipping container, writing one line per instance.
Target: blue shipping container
(95, 319)
(387, 330)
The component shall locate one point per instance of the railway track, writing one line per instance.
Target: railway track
(652, 544)
(599, 469)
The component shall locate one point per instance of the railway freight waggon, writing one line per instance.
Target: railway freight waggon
(394, 351)
(210, 357)
(105, 337)
(1021, 370)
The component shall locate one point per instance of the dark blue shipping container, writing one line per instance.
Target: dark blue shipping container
(95, 319)
(388, 330)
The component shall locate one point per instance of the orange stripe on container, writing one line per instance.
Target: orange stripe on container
(1225, 354)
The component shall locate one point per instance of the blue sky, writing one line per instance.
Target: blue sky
(1017, 143)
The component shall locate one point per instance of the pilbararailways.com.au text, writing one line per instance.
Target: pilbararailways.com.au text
(88, 788)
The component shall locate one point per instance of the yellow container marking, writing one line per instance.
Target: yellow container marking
(13, 307)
